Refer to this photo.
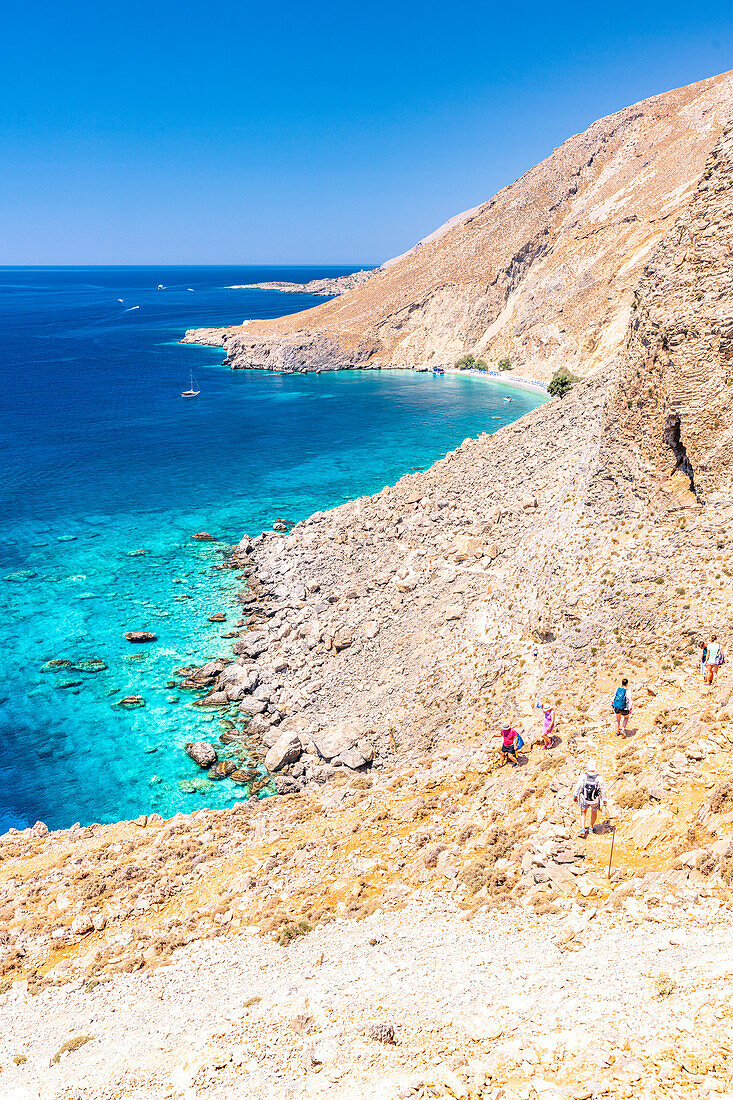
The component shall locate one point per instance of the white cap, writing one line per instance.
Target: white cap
(590, 767)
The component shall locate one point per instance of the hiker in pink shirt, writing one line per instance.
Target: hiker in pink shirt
(511, 743)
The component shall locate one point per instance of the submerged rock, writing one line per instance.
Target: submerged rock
(94, 664)
(219, 617)
(202, 752)
(56, 664)
(21, 575)
(141, 636)
(242, 775)
(222, 769)
(131, 702)
(203, 536)
(202, 784)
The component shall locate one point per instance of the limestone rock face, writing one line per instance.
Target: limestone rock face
(672, 401)
(543, 273)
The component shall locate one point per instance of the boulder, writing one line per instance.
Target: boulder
(467, 547)
(249, 647)
(203, 753)
(131, 702)
(138, 636)
(203, 536)
(284, 784)
(219, 617)
(342, 639)
(340, 738)
(286, 750)
(214, 699)
(357, 757)
(82, 924)
(250, 705)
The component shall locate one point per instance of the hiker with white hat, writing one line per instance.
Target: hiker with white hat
(590, 792)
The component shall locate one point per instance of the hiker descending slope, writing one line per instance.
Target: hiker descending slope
(511, 743)
(622, 706)
(713, 659)
(590, 793)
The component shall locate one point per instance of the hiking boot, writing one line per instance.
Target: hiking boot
(583, 834)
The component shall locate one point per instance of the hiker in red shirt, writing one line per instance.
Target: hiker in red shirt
(511, 743)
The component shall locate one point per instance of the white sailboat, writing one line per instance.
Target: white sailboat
(192, 392)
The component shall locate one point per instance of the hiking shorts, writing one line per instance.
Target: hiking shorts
(508, 749)
(585, 805)
(625, 713)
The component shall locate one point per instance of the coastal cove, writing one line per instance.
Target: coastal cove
(108, 474)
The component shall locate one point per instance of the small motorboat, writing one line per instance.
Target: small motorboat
(438, 370)
(160, 286)
(192, 392)
(507, 398)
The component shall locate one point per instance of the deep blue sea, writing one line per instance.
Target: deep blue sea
(107, 472)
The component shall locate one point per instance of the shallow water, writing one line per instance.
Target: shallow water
(107, 473)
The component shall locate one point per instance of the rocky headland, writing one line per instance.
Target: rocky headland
(329, 288)
(405, 919)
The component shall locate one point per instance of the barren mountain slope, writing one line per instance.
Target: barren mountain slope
(543, 273)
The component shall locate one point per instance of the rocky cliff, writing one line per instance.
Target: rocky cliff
(543, 273)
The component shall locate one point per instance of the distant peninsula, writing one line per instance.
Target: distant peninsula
(325, 287)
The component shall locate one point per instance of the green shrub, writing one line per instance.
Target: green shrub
(562, 381)
(469, 362)
(504, 364)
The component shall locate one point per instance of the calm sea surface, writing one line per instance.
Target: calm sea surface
(106, 473)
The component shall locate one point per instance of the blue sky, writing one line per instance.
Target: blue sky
(229, 132)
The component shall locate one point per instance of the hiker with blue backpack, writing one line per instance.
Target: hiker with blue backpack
(622, 707)
(590, 793)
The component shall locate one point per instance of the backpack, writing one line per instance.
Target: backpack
(721, 658)
(591, 788)
(619, 699)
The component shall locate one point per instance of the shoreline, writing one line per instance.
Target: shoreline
(528, 384)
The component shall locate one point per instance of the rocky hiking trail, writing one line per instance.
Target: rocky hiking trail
(417, 1003)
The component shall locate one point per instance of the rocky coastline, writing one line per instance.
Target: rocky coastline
(326, 287)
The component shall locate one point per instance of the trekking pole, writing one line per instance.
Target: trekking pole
(613, 837)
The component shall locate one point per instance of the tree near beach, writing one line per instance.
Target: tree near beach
(562, 382)
(504, 364)
(469, 362)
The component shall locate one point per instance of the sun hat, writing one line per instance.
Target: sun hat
(590, 767)
(506, 725)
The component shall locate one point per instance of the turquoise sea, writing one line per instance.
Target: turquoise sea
(106, 475)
